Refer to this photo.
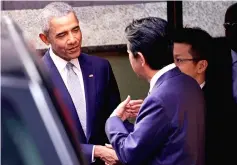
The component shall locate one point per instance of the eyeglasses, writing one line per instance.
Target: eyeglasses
(229, 25)
(180, 60)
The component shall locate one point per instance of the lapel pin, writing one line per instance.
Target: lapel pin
(91, 75)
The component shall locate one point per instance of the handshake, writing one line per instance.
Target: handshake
(107, 154)
(126, 109)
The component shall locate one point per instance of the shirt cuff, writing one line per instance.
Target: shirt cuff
(92, 155)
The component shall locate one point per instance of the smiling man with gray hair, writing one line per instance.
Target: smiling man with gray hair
(86, 83)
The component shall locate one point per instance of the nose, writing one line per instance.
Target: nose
(72, 39)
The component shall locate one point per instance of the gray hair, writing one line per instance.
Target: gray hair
(54, 9)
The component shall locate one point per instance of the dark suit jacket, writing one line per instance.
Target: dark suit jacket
(169, 129)
(221, 108)
(221, 70)
(102, 97)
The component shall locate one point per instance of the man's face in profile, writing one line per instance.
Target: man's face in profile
(135, 62)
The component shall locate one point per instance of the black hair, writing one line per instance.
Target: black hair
(200, 41)
(149, 36)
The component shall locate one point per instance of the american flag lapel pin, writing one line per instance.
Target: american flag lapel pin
(91, 75)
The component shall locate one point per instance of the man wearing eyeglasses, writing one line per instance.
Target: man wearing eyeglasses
(230, 26)
(226, 53)
(191, 52)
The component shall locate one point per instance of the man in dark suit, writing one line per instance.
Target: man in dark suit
(225, 80)
(193, 53)
(224, 86)
(169, 128)
(86, 83)
(231, 36)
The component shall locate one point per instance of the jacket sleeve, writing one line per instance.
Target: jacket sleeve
(87, 151)
(149, 133)
(114, 97)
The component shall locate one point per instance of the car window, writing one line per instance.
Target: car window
(18, 146)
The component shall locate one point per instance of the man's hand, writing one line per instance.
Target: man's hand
(108, 155)
(108, 146)
(127, 109)
(133, 107)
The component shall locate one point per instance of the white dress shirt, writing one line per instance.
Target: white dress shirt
(202, 84)
(159, 74)
(155, 78)
(61, 66)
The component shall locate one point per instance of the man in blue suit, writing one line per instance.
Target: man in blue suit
(86, 83)
(231, 36)
(169, 129)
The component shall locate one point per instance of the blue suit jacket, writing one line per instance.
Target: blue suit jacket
(169, 129)
(102, 97)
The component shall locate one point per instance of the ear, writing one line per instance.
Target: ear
(44, 38)
(202, 66)
(141, 58)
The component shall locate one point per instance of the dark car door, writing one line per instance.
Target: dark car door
(34, 130)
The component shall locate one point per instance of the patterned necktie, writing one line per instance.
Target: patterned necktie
(75, 90)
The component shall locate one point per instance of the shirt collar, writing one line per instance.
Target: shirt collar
(202, 84)
(61, 63)
(159, 74)
(234, 56)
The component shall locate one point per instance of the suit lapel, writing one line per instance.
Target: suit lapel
(58, 82)
(90, 91)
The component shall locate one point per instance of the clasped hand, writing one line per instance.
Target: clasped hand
(128, 108)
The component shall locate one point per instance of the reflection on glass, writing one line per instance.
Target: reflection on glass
(18, 147)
